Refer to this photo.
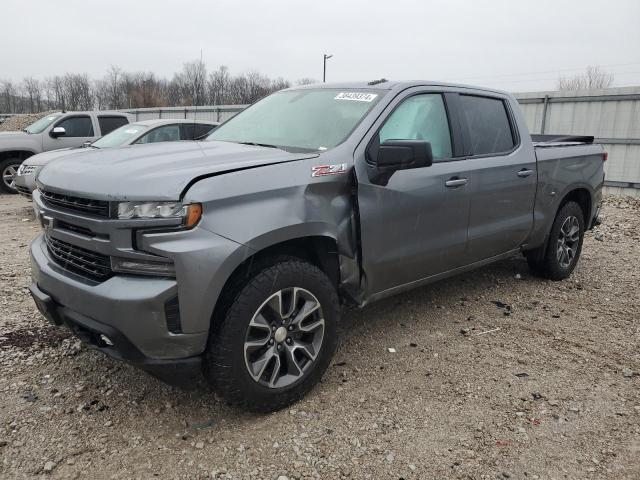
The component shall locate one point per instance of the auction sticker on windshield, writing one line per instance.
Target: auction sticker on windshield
(356, 96)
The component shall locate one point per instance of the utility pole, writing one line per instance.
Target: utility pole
(325, 57)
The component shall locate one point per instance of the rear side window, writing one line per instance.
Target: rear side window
(420, 117)
(109, 124)
(166, 133)
(77, 126)
(488, 124)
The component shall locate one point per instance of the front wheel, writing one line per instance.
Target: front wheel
(9, 169)
(560, 256)
(277, 336)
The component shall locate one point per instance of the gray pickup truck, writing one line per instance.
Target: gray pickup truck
(58, 130)
(229, 259)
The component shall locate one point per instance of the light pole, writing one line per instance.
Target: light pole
(325, 57)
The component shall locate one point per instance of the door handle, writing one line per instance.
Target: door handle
(525, 173)
(455, 182)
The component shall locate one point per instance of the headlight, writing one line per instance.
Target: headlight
(190, 214)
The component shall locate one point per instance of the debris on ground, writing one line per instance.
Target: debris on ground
(445, 408)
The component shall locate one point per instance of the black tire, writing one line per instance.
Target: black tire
(226, 366)
(7, 165)
(547, 261)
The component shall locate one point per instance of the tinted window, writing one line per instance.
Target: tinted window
(421, 117)
(166, 133)
(77, 127)
(202, 130)
(187, 131)
(109, 124)
(488, 122)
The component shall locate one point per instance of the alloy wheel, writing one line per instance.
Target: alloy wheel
(284, 337)
(9, 174)
(568, 241)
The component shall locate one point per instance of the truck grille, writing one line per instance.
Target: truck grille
(79, 260)
(77, 204)
(27, 169)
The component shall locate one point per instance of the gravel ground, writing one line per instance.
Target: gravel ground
(496, 374)
(19, 122)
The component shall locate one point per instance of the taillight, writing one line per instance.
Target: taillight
(605, 155)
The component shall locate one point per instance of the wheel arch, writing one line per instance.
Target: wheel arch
(319, 250)
(583, 197)
(21, 154)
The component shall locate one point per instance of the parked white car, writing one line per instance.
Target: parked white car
(145, 131)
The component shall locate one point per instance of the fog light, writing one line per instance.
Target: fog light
(143, 267)
(106, 340)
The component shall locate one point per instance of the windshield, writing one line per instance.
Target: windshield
(39, 125)
(120, 136)
(300, 120)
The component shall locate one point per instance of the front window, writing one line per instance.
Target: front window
(120, 136)
(300, 120)
(421, 117)
(77, 126)
(39, 125)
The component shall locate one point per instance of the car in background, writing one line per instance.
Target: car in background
(52, 132)
(142, 132)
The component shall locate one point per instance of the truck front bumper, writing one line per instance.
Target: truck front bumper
(123, 317)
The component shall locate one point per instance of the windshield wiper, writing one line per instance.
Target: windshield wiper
(259, 144)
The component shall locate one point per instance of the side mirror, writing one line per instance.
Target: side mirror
(58, 132)
(404, 154)
(384, 159)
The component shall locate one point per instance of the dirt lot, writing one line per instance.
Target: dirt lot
(496, 374)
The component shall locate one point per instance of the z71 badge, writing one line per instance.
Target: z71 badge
(323, 170)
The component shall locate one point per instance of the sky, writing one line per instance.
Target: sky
(516, 45)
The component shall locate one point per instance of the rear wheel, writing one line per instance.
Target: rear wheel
(559, 257)
(277, 336)
(9, 169)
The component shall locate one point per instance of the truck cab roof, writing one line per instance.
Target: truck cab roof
(394, 85)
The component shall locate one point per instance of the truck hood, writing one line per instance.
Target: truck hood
(45, 157)
(12, 134)
(20, 141)
(159, 171)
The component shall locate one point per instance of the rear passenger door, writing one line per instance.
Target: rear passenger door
(502, 176)
(108, 123)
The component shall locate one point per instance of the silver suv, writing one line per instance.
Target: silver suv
(55, 131)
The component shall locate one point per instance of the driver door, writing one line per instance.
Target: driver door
(78, 130)
(414, 226)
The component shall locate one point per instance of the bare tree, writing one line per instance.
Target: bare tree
(33, 90)
(592, 78)
(119, 89)
(194, 75)
(219, 85)
(8, 96)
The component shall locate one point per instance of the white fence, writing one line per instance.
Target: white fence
(611, 115)
(214, 114)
